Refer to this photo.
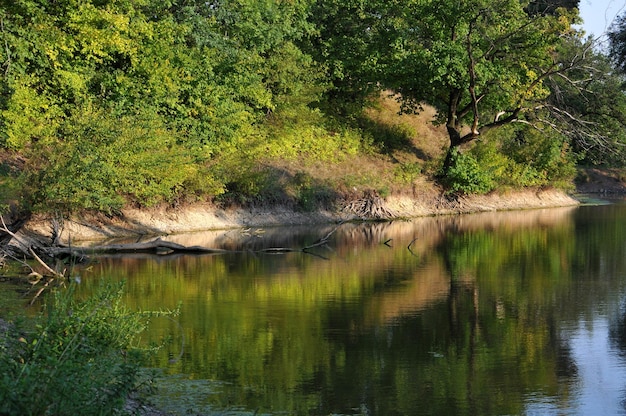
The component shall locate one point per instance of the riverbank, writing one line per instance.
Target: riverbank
(198, 217)
(427, 200)
(201, 217)
(360, 186)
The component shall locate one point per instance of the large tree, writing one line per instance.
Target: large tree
(482, 64)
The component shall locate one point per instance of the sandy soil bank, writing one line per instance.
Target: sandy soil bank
(199, 217)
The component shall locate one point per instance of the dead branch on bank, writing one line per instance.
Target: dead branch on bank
(48, 276)
(28, 250)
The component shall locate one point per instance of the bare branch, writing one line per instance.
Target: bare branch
(27, 249)
(43, 264)
(5, 228)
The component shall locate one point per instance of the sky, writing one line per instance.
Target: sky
(597, 15)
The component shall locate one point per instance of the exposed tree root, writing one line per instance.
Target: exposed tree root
(371, 207)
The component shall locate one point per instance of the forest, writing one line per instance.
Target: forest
(110, 103)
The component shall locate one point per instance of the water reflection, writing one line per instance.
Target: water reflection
(497, 313)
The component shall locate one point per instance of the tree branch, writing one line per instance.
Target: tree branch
(472, 74)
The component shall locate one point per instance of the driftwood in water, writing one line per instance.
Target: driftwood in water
(162, 247)
(157, 246)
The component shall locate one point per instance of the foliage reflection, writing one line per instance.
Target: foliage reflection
(468, 321)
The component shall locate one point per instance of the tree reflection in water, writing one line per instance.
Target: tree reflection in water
(472, 320)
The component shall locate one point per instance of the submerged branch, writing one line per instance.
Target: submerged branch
(157, 246)
(162, 247)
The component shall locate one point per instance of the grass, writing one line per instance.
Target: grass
(423, 140)
(398, 154)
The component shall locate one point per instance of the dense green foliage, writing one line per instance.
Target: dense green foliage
(79, 360)
(106, 103)
(514, 158)
(115, 102)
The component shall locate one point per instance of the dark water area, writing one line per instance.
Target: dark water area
(486, 314)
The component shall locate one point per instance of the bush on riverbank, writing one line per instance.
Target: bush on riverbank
(80, 360)
(307, 165)
(114, 104)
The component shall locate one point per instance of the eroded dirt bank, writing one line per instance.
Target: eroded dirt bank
(199, 217)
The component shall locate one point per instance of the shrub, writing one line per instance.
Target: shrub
(516, 158)
(80, 360)
(504, 170)
(407, 172)
(312, 137)
(465, 175)
(102, 162)
(546, 155)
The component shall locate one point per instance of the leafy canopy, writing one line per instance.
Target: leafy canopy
(118, 101)
(480, 63)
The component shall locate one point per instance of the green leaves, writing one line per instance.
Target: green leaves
(105, 162)
(116, 101)
(191, 83)
(83, 359)
(517, 156)
(505, 49)
(466, 176)
(30, 114)
(262, 25)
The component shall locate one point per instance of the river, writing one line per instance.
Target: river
(508, 313)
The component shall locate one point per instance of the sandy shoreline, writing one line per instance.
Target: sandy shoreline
(203, 217)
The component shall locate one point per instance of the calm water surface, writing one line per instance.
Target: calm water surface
(492, 314)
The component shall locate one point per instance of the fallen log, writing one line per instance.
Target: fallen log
(162, 247)
(157, 246)
(154, 247)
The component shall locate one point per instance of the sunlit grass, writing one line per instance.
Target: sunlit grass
(384, 153)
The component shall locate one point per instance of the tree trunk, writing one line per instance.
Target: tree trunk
(455, 141)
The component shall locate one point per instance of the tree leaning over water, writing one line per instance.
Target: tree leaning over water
(482, 64)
